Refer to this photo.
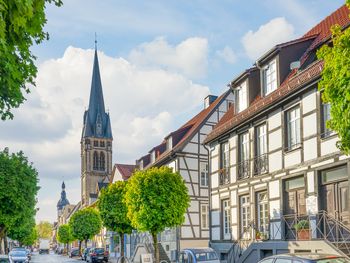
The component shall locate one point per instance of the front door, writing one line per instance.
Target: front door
(334, 194)
(294, 205)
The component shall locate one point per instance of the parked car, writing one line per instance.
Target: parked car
(74, 252)
(4, 259)
(97, 255)
(85, 253)
(18, 256)
(196, 255)
(305, 258)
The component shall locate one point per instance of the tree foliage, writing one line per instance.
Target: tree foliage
(156, 198)
(335, 83)
(24, 231)
(21, 25)
(18, 190)
(64, 234)
(44, 229)
(113, 210)
(85, 223)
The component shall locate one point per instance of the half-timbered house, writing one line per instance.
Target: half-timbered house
(275, 169)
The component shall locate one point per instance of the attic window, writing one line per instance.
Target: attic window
(153, 156)
(169, 143)
(269, 77)
(241, 97)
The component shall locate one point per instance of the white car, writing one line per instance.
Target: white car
(19, 256)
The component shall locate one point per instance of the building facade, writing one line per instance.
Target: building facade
(183, 151)
(274, 164)
(96, 141)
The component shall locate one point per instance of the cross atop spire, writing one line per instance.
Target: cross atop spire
(95, 41)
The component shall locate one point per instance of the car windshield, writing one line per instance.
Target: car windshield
(205, 256)
(99, 250)
(18, 249)
(334, 260)
(19, 253)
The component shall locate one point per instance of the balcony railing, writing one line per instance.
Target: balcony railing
(261, 164)
(224, 176)
(244, 169)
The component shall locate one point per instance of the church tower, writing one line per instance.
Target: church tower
(63, 201)
(96, 141)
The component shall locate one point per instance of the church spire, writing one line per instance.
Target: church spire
(96, 120)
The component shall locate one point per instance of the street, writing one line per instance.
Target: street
(52, 258)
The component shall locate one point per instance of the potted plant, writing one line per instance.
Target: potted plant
(303, 230)
(261, 236)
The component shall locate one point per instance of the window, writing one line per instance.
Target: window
(169, 143)
(102, 144)
(226, 217)
(270, 78)
(224, 163)
(243, 152)
(245, 216)
(241, 97)
(96, 143)
(336, 174)
(141, 165)
(153, 156)
(293, 128)
(102, 161)
(260, 161)
(95, 162)
(326, 116)
(263, 214)
(204, 174)
(205, 216)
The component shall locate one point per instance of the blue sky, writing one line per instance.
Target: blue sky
(158, 60)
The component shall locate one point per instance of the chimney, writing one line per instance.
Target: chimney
(209, 100)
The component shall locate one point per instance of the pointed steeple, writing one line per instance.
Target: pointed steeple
(63, 200)
(96, 120)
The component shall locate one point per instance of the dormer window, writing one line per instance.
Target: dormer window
(153, 156)
(241, 96)
(269, 77)
(169, 143)
(141, 165)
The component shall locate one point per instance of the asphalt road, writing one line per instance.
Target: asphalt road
(52, 258)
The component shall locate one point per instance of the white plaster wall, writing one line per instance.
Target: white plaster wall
(310, 149)
(233, 141)
(190, 190)
(234, 197)
(292, 158)
(310, 177)
(206, 129)
(309, 101)
(202, 150)
(310, 125)
(185, 175)
(329, 146)
(274, 189)
(215, 233)
(187, 221)
(204, 192)
(275, 161)
(275, 120)
(214, 180)
(275, 140)
(214, 164)
(191, 147)
(196, 231)
(235, 235)
(215, 218)
(234, 215)
(186, 232)
(233, 174)
(203, 137)
(194, 206)
(213, 117)
(205, 233)
(195, 138)
(194, 218)
(233, 157)
(215, 203)
(192, 163)
(311, 205)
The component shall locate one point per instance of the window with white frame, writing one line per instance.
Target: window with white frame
(244, 146)
(241, 97)
(293, 128)
(205, 216)
(270, 77)
(261, 140)
(263, 214)
(226, 218)
(153, 156)
(224, 163)
(244, 202)
(326, 116)
(204, 174)
(169, 143)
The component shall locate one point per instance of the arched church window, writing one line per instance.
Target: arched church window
(96, 161)
(102, 161)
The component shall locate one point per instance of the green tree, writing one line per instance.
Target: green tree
(44, 229)
(84, 224)
(156, 198)
(335, 83)
(18, 190)
(21, 25)
(31, 239)
(113, 210)
(23, 231)
(64, 235)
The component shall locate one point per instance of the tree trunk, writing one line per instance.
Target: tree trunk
(80, 247)
(5, 245)
(85, 243)
(156, 250)
(121, 235)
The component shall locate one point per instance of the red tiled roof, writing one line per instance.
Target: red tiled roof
(321, 32)
(125, 170)
(192, 125)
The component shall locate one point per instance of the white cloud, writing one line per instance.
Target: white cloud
(144, 105)
(227, 54)
(189, 57)
(276, 31)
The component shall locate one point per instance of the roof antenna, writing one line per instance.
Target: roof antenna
(95, 41)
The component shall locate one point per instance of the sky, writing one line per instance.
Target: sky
(158, 61)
